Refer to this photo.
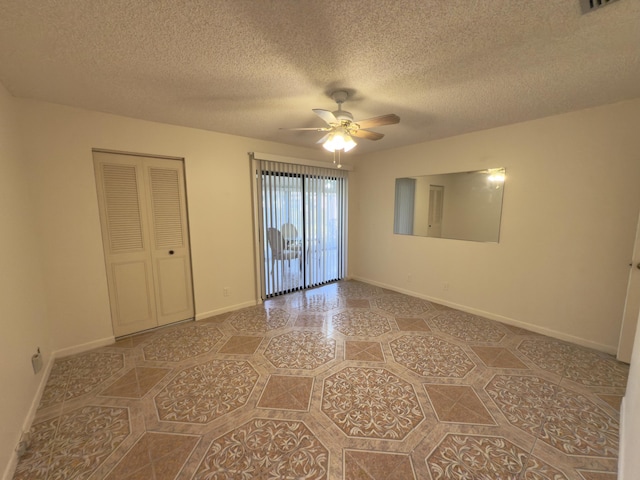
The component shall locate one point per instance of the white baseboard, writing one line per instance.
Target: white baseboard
(31, 415)
(220, 311)
(610, 349)
(65, 352)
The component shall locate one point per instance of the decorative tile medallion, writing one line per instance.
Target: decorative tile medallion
(429, 356)
(259, 319)
(268, 449)
(403, 305)
(205, 392)
(360, 324)
(467, 327)
(466, 457)
(307, 350)
(371, 402)
(78, 375)
(75, 444)
(574, 362)
(181, 343)
(566, 420)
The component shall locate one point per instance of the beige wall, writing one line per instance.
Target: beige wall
(23, 318)
(570, 211)
(58, 152)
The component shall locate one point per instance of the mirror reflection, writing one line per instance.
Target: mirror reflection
(461, 205)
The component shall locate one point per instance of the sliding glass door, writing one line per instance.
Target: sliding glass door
(302, 216)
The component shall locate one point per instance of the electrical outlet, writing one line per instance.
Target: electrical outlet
(23, 444)
(445, 286)
(225, 292)
(36, 361)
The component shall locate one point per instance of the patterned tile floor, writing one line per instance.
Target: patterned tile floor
(345, 381)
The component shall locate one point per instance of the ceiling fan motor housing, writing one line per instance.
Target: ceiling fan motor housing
(343, 116)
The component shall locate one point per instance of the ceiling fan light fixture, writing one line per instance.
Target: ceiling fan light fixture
(341, 128)
(339, 140)
(349, 143)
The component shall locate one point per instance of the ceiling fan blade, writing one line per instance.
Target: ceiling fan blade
(311, 129)
(323, 139)
(367, 134)
(388, 119)
(326, 115)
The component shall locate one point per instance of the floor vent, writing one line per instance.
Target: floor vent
(591, 5)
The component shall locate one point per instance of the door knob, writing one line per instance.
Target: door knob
(171, 252)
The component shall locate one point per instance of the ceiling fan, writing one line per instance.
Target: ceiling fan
(341, 128)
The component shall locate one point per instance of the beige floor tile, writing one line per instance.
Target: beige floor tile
(614, 400)
(366, 465)
(287, 393)
(363, 351)
(241, 345)
(412, 325)
(591, 475)
(160, 456)
(357, 303)
(458, 404)
(498, 357)
(309, 321)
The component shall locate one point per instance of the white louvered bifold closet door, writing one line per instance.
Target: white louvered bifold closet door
(145, 237)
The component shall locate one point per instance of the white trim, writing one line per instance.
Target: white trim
(220, 311)
(134, 154)
(254, 165)
(622, 444)
(65, 352)
(9, 472)
(298, 161)
(610, 349)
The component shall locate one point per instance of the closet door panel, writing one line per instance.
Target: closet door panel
(174, 288)
(121, 199)
(133, 289)
(170, 249)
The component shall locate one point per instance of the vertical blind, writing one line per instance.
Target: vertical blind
(302, 217)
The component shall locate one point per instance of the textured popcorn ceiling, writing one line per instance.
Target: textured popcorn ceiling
(250, 67)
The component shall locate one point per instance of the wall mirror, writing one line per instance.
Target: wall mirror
(461, 205)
